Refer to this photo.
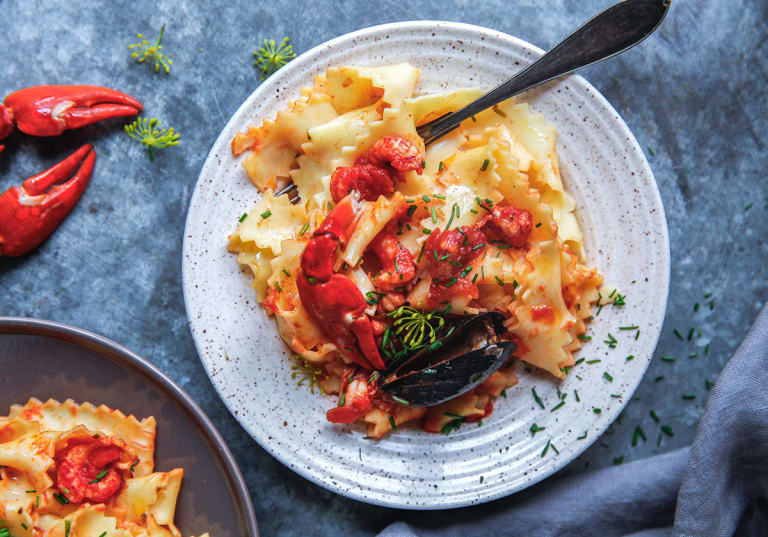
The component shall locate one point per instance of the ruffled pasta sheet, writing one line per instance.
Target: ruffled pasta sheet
(534, 143)
(148, 503)
(297, 328)
(509, 280)
(139, 435)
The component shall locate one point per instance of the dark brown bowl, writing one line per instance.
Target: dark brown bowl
(45, 359)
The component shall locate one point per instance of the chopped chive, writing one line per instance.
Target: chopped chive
(438, 196)
(607, 376)
(577, 362)
(584, 337)
(474, 118)
(668, 358)
(59, 497)
(478, 246)
(537, 398)
(535, 429)
(434, 215)
(499, 281)
(590, 362)
(688, 396)
(245, 215)
(616, 395)
(474, 278)
(400, 400)
(639, 433)
(546, 448)
(630, 357)
(30, 491)
(104, 534)
(421, 252)
(423, 164)
(637, 335)
(708, 295)
(633, 327)
(667, 430)
(748, 207)
(654, 416)
(709, 384)
(266, 214)
(651, 151)
(485, 164)
(576, 395)
(618, 460)
(582, 437)
(304, 229)
(693, 355)
(557, 406)
(98, 477)
(597, 410)
(67, 527)
(450, 282)
(277, 286)
(392, 423)
(440, 166)
(426, 198)
(24, 526)
(690, 334)
(659, 378)
(473, 211)
(427, 231)
(134, 464)
(706, 349)
(411, 210)
(711, 304)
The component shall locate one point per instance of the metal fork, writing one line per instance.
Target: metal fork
(611, 32)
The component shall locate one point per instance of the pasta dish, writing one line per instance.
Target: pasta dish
(69, 470)
(385, 244)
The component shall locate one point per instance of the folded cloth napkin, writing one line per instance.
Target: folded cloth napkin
(719, 484)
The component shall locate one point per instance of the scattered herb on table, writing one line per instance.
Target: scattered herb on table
(271, 56)
(148, 132)
(143, 51)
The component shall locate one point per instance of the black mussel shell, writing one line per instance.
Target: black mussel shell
(464, 358)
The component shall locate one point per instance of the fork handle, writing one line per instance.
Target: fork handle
(612, 31)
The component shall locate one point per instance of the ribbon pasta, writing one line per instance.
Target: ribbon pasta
(503, 156)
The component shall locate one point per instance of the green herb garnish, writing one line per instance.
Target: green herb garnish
(143, 51)
(150, 135)
(271, 56)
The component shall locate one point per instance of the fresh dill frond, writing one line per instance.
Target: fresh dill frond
(414, 327)
(302, 371)
(271, 56)
(148, 132)
(144, 51)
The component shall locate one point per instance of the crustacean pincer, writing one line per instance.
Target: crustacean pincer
(332, 298)
(31, 212)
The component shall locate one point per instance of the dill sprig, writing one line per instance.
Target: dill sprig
(271, 56)
(303, 371)
(414, 327)
(147, 132)
(144, 51)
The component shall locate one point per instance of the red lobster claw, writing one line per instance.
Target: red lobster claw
(31, 212)
(50, 110)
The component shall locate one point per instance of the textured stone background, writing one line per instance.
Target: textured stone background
(693, 94)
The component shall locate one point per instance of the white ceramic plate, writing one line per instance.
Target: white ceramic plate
(625, 237)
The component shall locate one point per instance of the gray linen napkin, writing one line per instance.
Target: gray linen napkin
(720, 484)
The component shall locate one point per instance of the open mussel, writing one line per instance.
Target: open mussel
(463, 358)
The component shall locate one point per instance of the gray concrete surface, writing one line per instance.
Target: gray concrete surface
(693, 94)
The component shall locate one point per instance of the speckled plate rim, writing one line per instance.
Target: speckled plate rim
(223, 140)
(120, 355)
